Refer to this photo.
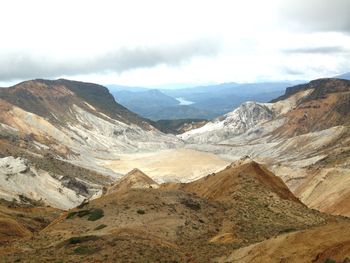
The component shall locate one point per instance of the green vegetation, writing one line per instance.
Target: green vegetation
(191, 204)
(81, 239)
(93, 214)
(141, 212)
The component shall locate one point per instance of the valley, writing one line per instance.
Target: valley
(176, 165)
(84, 178)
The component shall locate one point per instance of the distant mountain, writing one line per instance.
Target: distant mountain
(183, 112)
(112, 88)
(179, 126)
(205, 102)
(146, 103)
(344, 76)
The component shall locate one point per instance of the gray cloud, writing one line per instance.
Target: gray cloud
(27, 65)
(328, 50)
(291, 71)
(318, 15)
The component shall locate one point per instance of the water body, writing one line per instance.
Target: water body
(184, 101)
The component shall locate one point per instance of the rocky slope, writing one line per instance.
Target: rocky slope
(246, 116)
(195, 222)
(62, 125)
(303, 136)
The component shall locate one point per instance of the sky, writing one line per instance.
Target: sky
(165, 43)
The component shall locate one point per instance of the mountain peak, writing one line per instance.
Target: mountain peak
(243, 175)
(133, 179)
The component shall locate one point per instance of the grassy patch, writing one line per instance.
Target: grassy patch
(191, 204)
(81, 239)
(93, 214)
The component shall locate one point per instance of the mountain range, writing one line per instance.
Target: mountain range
(202, 102)
(84, 179)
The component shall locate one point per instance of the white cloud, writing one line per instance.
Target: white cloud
(156, 42)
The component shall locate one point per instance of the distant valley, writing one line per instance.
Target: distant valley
(204, 102)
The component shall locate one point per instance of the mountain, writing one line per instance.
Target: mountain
(343, 76)
(195, 222)
(155, 105)
(303, 136)
(180, 125)
(146, 103)
(64, 132)
(204, 102)
(115, 88)
(134, 179)
(223, 98)
(247, 116)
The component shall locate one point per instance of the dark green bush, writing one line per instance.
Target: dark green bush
(81, 239)
(141, 212)
(95, 214)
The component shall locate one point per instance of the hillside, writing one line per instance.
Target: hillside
(63, 131)
(181, 226)
(330, 243)
(302, 136)
(134, 179)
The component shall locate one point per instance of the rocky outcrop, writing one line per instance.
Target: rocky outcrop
(245, 117)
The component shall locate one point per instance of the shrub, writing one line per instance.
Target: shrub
(191, 204)
(95, 214)
(141, 212)
(71, 215)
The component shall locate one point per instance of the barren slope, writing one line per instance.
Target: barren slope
(193, 222)
(330, 242)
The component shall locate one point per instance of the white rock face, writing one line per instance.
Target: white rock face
(17, 178)
(10, 165)
(245, 117)
(251, 120)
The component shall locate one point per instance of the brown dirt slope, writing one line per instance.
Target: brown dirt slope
(20, 221)
(329, 243)
(51, 99)
(325, 107)
(219, 186)
(193, 222)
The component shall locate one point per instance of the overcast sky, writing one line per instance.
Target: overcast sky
(160, 42)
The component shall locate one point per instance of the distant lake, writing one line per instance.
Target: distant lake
(184, 102)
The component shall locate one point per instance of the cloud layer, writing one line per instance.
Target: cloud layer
(318, 15)
(325, 50)
(24, 65)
